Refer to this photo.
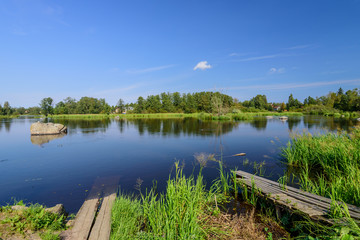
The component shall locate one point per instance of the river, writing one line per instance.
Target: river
(62, 169)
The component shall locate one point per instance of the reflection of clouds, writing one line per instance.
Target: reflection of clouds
(42, 139)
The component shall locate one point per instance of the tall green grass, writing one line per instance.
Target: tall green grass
(179, 213)
(328, 164)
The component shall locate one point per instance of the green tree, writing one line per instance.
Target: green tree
(7, 110)
(46, 106)
(293, 103)
(140, 105)
(309, 101)
(60, 108)
(259, 102)
(121, 105)
(153, 104)
(166, 103)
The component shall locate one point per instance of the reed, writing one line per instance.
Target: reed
(179, 213)
(329, 163)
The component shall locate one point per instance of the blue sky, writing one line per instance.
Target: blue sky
(126, 49)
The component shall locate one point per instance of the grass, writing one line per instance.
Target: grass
(8, 116)
(209, 116)
(80, 116)
(179, 214)
(30, 219)
(186, 210)
(202, 116)
(329, 164)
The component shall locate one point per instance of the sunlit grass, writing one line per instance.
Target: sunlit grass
(329, 164)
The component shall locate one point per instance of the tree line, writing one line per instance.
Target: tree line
(209, 102)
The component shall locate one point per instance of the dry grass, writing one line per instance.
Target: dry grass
(246, 225)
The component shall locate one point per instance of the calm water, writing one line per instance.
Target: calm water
(62, 169)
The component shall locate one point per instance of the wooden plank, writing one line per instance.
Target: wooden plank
(279, 196)
(309, 203)
(85, 217)
(299, 191)
(102, 227)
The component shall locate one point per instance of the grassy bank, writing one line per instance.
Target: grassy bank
(8, 116)
(30, 222)
(185, 211)
(209, 116)
(202, 116)
(80, 116)
(328, 164)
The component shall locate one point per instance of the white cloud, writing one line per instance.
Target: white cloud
(276, 70)
(298, 47)
(259, 58)
(202, 65)
(152, 69)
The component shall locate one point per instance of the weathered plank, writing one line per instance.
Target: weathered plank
(84, 221)
(85, 217)
(295, 199)
(102, 227)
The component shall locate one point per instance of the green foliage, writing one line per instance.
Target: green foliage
(333, 159)
(6, 110)
(177, 214)
(292, 103)
(46, 106)
(48, 235)
(126, 218)
(258, 102)
(33, 218)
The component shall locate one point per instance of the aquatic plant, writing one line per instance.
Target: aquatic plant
(328, 162)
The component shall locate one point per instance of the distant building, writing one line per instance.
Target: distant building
(276, 107)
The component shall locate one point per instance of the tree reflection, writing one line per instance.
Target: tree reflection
(85, 126)
(259, 124)
(178, 127)
(293, 122)
(329, 123)
(6, 123)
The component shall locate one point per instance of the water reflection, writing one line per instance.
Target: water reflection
(6, 124)
(85, 126)
(178, 127)
(329, 123)
(42, 139)
(293, 122)
(259, 124)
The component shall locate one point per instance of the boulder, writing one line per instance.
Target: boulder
(39, 128)
(57, 209)
(19, 208)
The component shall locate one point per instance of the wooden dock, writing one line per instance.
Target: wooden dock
(293, 199)
(90, 222)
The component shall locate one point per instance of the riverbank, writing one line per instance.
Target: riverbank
(33, 221)
(202, 116)
(188, 211)
(8, 116)
(328, 165)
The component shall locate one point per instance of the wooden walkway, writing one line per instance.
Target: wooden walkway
(314, 206)
(91, 224)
